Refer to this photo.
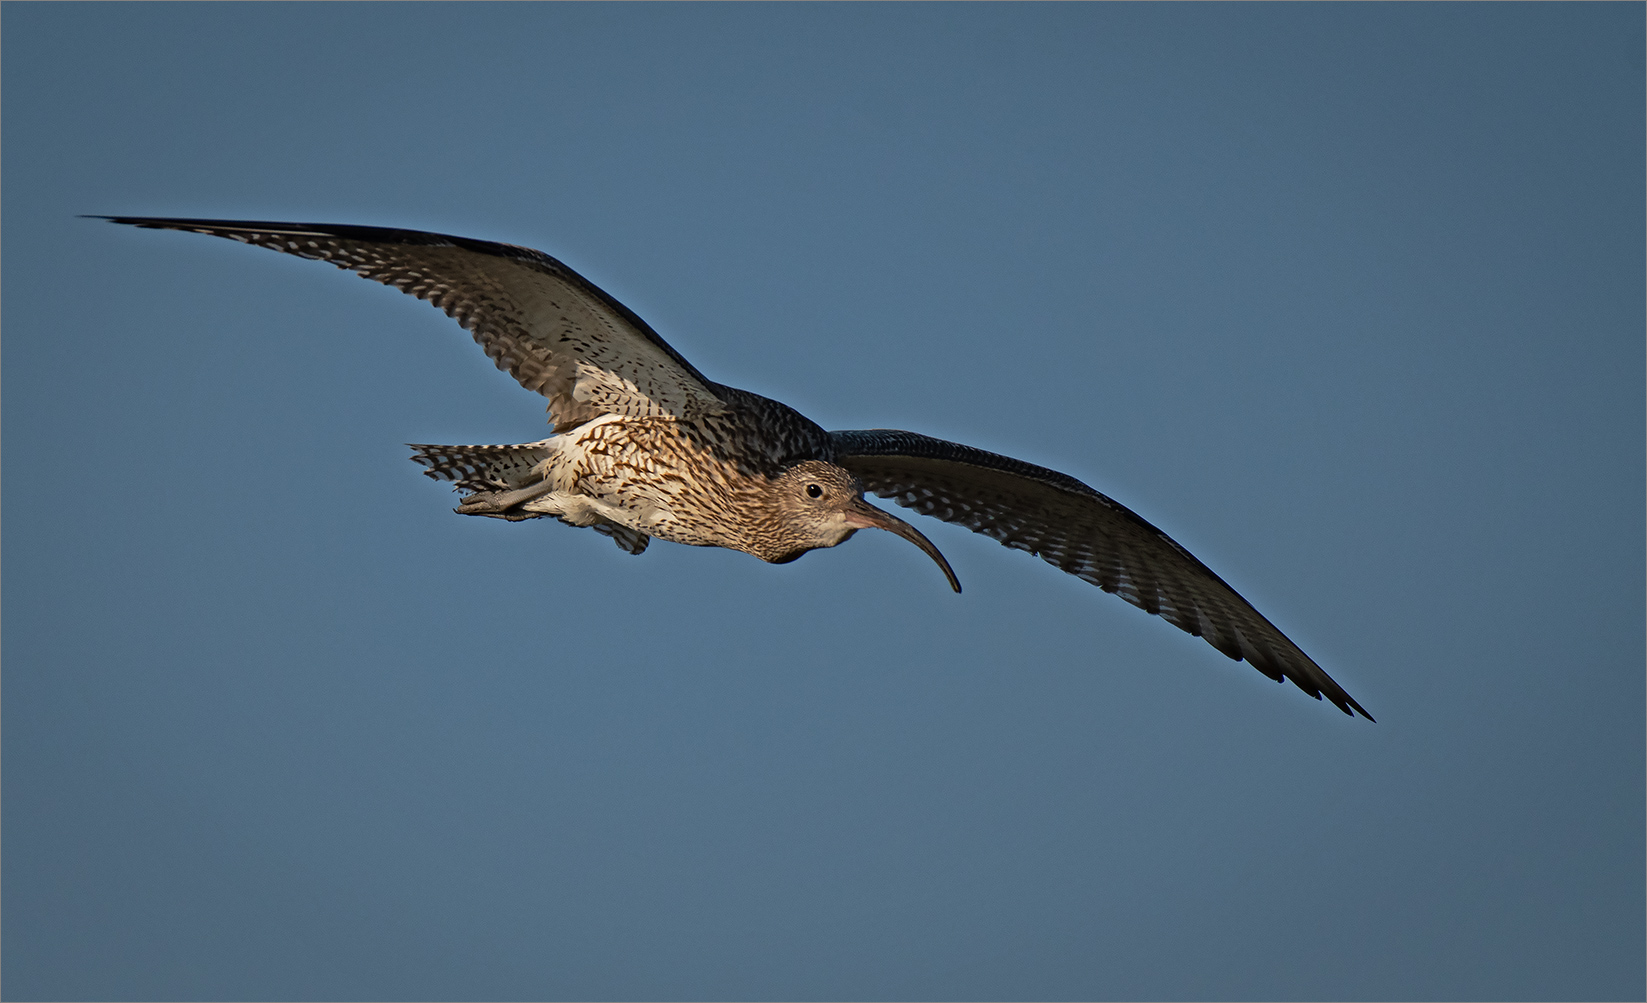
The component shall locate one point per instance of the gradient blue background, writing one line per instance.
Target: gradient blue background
(1347, 299)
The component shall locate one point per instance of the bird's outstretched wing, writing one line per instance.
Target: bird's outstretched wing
(1069, 525)
(538, 320)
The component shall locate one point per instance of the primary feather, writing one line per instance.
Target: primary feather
(1076, 529)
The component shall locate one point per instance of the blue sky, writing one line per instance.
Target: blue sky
(1348, 299)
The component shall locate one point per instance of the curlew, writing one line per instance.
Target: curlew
(644, 445)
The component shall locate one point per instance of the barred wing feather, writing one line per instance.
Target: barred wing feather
(1071, 526)
(538, 320)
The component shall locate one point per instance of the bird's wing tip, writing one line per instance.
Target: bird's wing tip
(1348, 705)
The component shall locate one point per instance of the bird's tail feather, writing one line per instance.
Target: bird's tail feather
(482, 468)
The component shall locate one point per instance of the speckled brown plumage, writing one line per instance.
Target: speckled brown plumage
(646, 446)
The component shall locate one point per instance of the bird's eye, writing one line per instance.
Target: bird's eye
(813, 491)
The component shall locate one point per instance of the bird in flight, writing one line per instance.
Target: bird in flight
(644, 445)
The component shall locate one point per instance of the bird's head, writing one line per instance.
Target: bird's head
(820, 505)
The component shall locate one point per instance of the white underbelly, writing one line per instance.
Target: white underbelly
(593, 478)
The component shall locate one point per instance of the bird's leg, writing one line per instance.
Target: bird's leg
(497, 503)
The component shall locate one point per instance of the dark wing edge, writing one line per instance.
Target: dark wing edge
(1083, 532)
(251, 232)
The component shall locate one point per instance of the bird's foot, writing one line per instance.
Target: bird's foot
(500, 502)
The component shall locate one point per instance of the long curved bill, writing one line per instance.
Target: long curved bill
(860, 514)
